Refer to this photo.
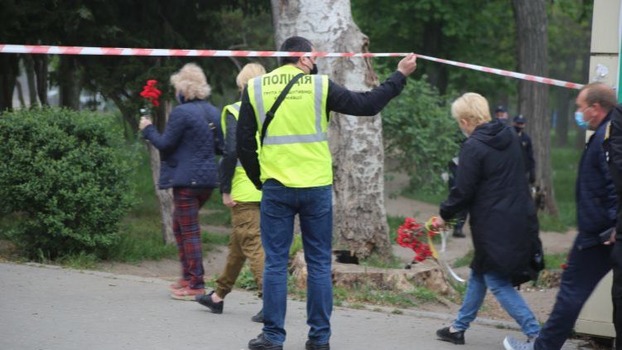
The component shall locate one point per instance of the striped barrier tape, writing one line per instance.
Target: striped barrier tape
(113, 51)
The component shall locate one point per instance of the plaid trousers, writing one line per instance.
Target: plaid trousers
(187, 232)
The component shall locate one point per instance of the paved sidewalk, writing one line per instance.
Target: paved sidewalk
(46, 307)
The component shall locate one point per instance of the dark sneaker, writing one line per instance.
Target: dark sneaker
(261, 343)
(206, 300)
(458, 233)
(445, 335)
(309, 345)
(259, 317)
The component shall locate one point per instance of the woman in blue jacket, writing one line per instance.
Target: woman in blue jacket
(191, 138)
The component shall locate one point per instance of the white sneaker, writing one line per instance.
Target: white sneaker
(511, 343)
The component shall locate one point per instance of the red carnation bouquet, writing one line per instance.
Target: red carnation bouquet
(151, 93)
(418, 237)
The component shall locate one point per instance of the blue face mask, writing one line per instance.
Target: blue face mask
(181, 98)
(578, 117)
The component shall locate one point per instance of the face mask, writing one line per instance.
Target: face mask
(181, 98)
(314, 69)
(518, 129)
(578, 117)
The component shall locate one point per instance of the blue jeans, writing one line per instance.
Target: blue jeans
(585, 269)
(509, 298)
(279, 205)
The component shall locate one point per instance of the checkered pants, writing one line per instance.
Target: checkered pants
(187, 231)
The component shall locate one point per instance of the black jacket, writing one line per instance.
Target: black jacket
(530, 162)
(491, 185)
(613, 148)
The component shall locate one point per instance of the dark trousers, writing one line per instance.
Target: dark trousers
(616, 292)
(585, 269)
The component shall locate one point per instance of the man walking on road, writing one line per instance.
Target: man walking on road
(588, 261)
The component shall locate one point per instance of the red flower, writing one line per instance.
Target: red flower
(411, 235)
(151, 93)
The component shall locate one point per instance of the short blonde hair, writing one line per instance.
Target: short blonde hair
(248, 72)
(191, 82)
(472, 107)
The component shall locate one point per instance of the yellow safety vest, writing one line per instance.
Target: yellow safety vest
(242, 188)
(295, 150)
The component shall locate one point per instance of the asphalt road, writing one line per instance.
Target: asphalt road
(48, 308)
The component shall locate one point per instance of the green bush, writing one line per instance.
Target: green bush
(420, 135)
(64, 181)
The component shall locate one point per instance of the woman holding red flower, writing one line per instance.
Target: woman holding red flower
(490, 184)
(188, 146)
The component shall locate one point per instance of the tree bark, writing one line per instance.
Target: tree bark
(69, 83)
(9, 67)
(563, 116)
(165, 197)
(360, 223)
(29, 66)
(531, 29)
(41, 75)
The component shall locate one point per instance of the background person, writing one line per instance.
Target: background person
(241, 196)
(294, 171)
(490, 183)
(589, 259)
(518, 122)
(501, 113)
(460, 218)
(188, 166)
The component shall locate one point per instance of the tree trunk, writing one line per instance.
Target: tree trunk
(69, 82)
(41, 74)
(564, 112)
(9, 66)
(563, 118)
(531, 29)
(29, 66)
(360, 223)
(165, 197)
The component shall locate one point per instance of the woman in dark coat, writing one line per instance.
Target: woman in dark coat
(491, 185)
(188, 166)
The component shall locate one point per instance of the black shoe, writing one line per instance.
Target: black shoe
(259, 317)
(309, 345)
(445, 335)
(206, 300)
(458, 233)
(261, 343)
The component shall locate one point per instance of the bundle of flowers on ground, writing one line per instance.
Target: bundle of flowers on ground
(418, 237)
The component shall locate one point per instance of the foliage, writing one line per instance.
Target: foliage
(420, 136)
(555, 261)
(479, 32)
(464, 260)
(246, 280)
(365, 293)
(183, 24)
(64, 180)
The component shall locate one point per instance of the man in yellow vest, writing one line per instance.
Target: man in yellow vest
(239, 194)
(294, 170)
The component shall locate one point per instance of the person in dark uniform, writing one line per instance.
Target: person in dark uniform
(526, 145)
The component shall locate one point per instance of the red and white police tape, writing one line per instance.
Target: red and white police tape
(113, 51)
